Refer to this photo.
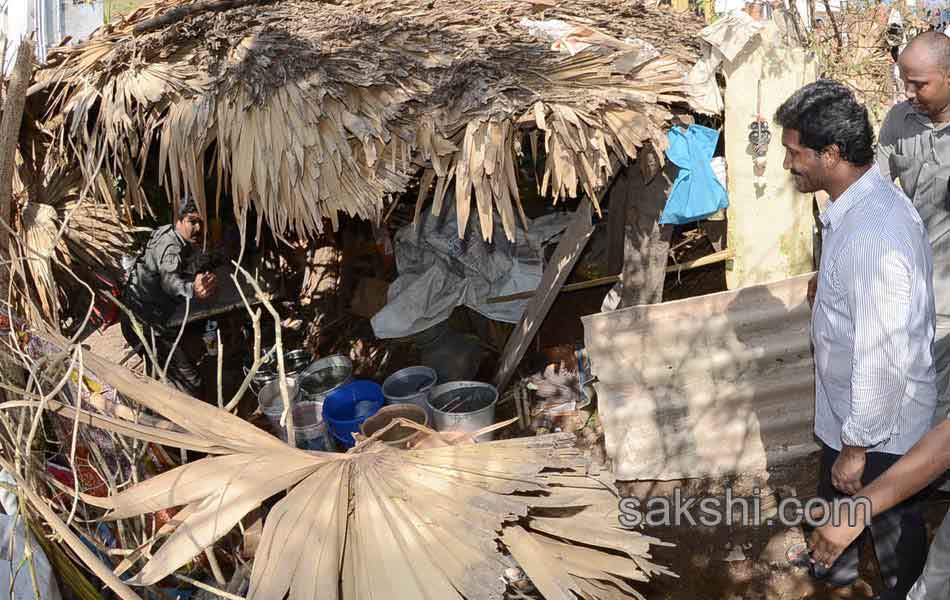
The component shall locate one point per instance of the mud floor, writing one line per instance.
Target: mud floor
(750, 562)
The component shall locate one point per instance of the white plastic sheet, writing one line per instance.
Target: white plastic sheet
(722, 42)
(13, 567)
(439, 271)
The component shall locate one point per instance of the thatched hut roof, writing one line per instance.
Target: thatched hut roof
(312, 108)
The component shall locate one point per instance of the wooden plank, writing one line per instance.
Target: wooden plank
(616, 220)
(565, 256)
(703, 261)
(646, 242)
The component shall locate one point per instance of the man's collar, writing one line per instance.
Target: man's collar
(923, 118)
(178, 236)
(856, 192)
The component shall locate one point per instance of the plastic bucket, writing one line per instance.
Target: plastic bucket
(310, 432)
(412, 385)
(464, 406)
(346, 408)
(271, 402)
(309, 429)
(295, 362)
(324, 376)
(398, 436)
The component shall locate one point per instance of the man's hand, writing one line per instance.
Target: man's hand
(829, 541)
(206, 284)
(812, 290)
(848, 469)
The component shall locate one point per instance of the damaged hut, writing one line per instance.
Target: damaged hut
(293, 115)
(286, 117)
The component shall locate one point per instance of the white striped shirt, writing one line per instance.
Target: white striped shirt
(873, 321)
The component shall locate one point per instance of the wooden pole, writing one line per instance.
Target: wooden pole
(183, 12)
(10, 123)
(9, 136)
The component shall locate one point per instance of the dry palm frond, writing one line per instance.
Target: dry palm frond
(64, 236)
(376, 522)
(315, 108)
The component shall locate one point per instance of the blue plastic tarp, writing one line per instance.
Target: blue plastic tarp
(697, 192)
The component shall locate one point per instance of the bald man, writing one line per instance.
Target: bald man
(914, 148)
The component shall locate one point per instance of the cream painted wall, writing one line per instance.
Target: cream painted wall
(770, 225)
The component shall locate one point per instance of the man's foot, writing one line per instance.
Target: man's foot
(832, 580)
(860, 590)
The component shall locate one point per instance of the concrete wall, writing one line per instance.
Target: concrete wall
(49, 21)
(18, 18)
(770, 224)
(725, 6)
(82, 18)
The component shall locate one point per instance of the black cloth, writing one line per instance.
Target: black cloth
(182, 373)
(899, 535)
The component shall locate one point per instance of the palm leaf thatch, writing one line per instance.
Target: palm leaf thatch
(443, 522)
(308, 109)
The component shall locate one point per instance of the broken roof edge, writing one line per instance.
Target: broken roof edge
(357, 127)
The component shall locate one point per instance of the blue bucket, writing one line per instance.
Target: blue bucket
(347, 407)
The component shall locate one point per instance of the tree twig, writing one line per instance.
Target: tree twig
(183, 12)
(220, 353)
(215, 567)
(287, 419)
(834, 25)
(72, 540)
(208, 588)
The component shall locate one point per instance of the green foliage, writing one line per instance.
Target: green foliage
(118, 8)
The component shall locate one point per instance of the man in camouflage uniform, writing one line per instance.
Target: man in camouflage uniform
(161, 279)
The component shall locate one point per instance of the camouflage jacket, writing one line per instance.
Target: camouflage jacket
(161, 278)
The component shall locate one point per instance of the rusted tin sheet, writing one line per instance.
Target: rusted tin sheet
(706, 386)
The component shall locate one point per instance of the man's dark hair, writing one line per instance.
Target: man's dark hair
(826, 113)
(187, 207)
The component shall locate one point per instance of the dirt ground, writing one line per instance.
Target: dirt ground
(758, 568)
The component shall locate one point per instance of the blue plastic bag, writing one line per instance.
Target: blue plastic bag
(696, 192)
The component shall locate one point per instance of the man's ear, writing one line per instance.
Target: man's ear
(831, 156)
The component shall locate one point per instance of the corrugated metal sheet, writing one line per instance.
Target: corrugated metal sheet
(706, 386)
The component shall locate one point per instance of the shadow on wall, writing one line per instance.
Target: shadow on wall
(707, 386)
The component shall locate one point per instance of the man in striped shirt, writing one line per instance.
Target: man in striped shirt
(872, 322)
